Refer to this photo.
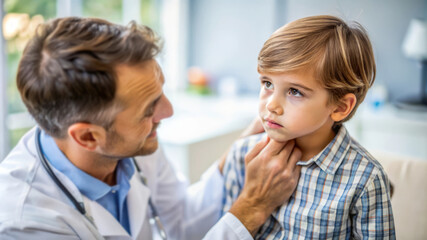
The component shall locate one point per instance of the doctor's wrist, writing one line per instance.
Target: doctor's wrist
(250, 214)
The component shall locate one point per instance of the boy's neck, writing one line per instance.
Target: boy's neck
(312, 144)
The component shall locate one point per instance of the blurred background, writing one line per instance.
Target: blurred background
(210, 58)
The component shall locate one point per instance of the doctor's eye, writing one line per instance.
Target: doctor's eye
(267, 85)
(149, 112)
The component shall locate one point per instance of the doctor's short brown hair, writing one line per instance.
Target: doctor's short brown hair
(66, 74)
(339, 54)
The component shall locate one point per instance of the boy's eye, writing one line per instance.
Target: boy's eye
(295, 92)
(268, 85)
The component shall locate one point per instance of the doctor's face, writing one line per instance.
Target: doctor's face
(139, 90)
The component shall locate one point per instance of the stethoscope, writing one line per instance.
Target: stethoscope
(154, 219)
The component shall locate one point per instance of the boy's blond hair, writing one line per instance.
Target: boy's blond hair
(339, 54)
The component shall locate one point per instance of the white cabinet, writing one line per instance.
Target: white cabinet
(391, 129)
(202, 129)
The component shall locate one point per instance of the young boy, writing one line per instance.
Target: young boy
(314, 73)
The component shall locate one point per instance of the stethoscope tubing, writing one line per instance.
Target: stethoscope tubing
(80, 206)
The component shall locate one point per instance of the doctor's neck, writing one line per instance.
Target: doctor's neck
(90, 162)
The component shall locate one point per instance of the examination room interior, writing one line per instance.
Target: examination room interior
(209, 59)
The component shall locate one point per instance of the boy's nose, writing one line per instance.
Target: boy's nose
(274, 106)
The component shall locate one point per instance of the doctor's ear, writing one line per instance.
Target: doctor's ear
(87, 135)
(344, 107)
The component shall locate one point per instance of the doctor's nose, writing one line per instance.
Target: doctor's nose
(163, 110)
(274, 106)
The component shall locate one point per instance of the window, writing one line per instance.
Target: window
(110, 10)
(19, 23)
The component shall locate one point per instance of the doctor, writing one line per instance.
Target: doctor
(95, 91)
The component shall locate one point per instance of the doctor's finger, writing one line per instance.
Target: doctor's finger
(286, 152)
(256, 150)
(273, 148)
(294, 158)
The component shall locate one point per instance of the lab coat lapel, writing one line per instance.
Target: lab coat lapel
(105, 222)
(137, 201)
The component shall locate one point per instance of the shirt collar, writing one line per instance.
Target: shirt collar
(331, 157)
(91, 187)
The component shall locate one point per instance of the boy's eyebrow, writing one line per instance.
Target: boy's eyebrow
(264, 78)
(292, 83)
(302, 86)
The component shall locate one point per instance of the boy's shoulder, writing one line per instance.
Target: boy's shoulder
(344, 146)
(345, 157)
(365, 155)
(247, 143)
(363, 164)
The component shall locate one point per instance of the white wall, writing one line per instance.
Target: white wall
(386, 22)
(4, 137)
(226, 36)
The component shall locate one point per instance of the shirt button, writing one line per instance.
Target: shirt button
(113, 191)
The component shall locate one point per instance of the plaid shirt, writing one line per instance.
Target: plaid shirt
(342, 193)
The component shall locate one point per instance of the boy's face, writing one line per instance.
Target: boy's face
(294, 105)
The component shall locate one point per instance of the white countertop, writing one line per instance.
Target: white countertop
(198, 118)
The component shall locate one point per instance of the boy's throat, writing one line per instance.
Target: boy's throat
(310, 146)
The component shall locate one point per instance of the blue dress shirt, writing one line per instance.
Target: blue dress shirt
(112, 198)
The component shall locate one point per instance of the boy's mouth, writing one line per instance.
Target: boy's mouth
(272, 124)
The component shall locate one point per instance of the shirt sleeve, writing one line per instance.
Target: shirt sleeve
(233, 181)
(228, 227)
(372, 213)
(187, 212)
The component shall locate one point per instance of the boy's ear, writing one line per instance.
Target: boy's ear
(344, 107)
(86, 135)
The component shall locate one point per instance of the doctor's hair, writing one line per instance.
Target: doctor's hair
(66, 73)
(340, 55)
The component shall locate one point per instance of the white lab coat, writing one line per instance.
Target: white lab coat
(33, 207)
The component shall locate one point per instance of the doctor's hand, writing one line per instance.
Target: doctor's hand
(254, 127)
(271, 178)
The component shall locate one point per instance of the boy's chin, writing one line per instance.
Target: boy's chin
(278, 137)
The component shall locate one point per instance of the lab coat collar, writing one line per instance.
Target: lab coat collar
(137, 200)
(106, 224)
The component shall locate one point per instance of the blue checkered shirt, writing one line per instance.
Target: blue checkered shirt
(342, 193)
